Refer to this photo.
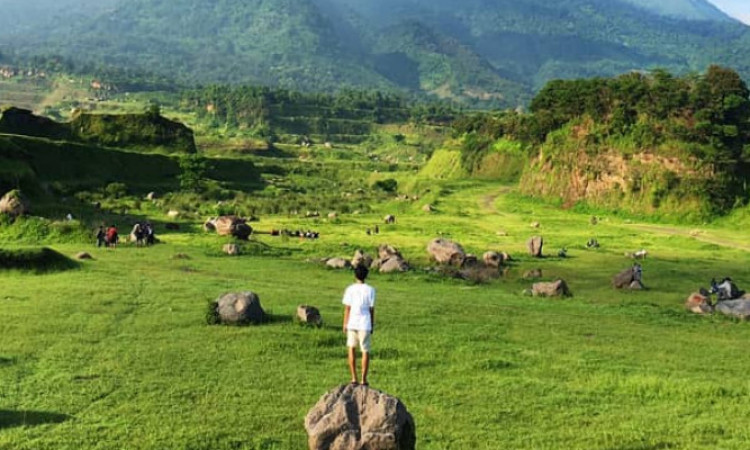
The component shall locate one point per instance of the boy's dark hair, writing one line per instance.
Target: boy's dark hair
(361, 272)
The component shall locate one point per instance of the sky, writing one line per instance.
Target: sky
(735, 8)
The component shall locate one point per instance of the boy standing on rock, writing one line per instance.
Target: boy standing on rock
(359, 321)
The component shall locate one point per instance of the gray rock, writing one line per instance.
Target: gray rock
(629, 278)
(339, 263)
(239, 308)
(359, 418)
(232, 226)
(446, 252)
(395, 264)
(361, 259)
(535, 245)
(386, 251)
(735, 308)
(553, 289)
(309, 315)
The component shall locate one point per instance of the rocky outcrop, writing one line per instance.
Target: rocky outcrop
(359, 418)
(629, 279)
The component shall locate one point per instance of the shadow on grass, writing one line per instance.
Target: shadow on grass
(6, 361)
(10, 419)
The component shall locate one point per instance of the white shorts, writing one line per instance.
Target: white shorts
(361, 337)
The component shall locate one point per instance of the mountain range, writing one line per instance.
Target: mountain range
(474, 52)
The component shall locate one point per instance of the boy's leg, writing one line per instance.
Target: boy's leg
(353, 364)
(365, 366)
(351, 343)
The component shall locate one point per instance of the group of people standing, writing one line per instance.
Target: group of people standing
(142, 234)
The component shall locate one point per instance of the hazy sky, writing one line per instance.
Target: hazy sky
(736, 8)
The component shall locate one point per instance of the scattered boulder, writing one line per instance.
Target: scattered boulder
(14, 204)
(394, 264)
(239, 308)
(361, 259)
(389, 219)
(532, 274)
(428, 208)
(339, 263)
(535, 245)
(81, 256)
(309, 315)
(386, 251)
(629, 278)
(699, 304)
(492, 259)
(233, 226)
(357, 417)
(231, 249)
(173, 214)
(446, 252)
(739, 308)
(552, 289)
(535, 224)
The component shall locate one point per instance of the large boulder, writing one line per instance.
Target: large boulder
(14, 204)
(629, 278)
(309, 315)
(445, 251)
(552, 289)
(739, 308)
(699, 304)
(533, 274)
(359, 418)
(534, 245)
(338, 263)
(394, 264)
(239, 308)
(232, 226)
(361, 259)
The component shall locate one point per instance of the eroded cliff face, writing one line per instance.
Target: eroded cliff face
(640, 183)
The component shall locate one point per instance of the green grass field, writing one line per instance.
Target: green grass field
(116, 354)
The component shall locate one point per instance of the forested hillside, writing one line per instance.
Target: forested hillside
(479, 53)
(646, 144)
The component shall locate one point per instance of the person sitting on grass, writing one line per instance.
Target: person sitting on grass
(359, 322)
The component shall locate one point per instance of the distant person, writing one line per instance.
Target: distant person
(112, 236)
(101, 237)
(359, 322)
(150, 238)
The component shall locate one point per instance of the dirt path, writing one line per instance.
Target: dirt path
(488, 201)
(699, 235)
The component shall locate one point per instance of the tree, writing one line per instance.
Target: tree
(193, 168)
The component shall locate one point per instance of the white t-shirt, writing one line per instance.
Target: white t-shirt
(360, 297)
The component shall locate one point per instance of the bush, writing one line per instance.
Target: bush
(387, 185)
